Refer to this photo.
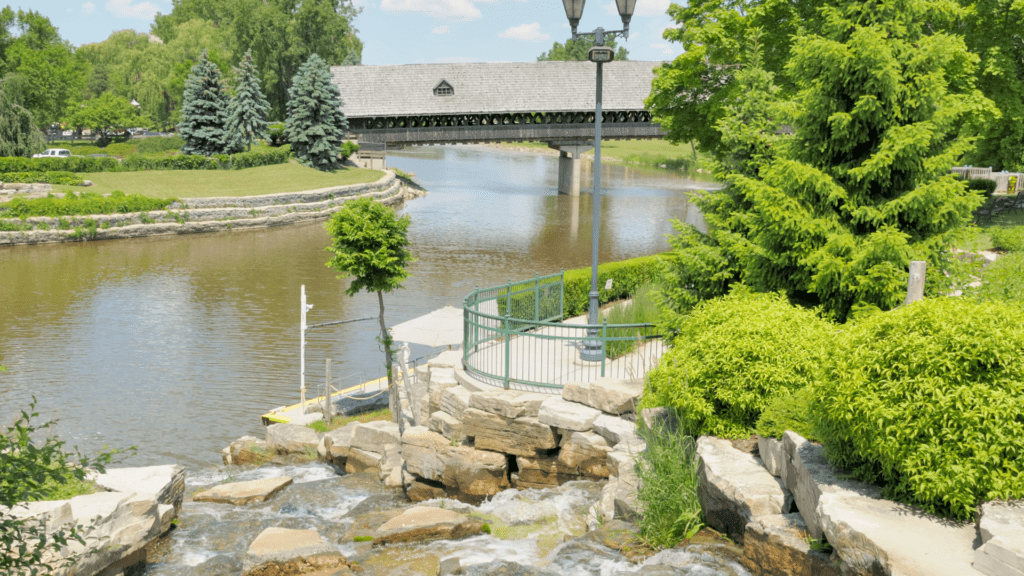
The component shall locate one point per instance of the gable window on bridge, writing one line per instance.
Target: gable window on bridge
(444, 89)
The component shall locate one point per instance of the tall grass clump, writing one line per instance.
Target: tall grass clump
(1008, 239)
(669, 509)
(642, 308)
(927, 401)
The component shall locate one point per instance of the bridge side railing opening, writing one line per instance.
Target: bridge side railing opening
(513, 338)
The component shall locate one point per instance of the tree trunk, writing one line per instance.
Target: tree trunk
(393, 404)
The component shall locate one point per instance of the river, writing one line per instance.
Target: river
(177, 344)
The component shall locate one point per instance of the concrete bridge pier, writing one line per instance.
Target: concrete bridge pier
(569, 165)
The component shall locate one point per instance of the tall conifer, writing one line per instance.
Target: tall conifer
(247, 119)
(315, 126)
(204, 112)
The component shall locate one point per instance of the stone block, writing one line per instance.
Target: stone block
(283, 552)
(509, 404)
(1001, 526)
(539, 472)
(620, 462)
(777, 545)
(449, 566)
(454, 401)
(425, 523)
(241, 451)
(441, 379)
(338, 441)
(376, 436)
(773, 454)
(474, 473)
(521, 436)
(51, 515)
(735, 488)
(448, 359)
(616, 430)
(447, 426)
(610, 395)
(240, 493)
(166, 482)
(291, 439)
(584, 454)
(362, 461)
(421, 491)
(567, 415)
(423, 451)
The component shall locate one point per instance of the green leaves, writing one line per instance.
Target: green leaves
(370, 244)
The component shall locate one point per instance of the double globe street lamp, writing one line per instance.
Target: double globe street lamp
(598, 54)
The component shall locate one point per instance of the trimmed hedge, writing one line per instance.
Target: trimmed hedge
(983, 184)
(731, 356)
(258, 157)
(73, 164)
(81, 204)
(928, 401)
(626, 276)
(55, 177)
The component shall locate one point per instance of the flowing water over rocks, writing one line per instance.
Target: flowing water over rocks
(532, 532)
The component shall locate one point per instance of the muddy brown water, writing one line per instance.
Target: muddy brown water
(177, 344)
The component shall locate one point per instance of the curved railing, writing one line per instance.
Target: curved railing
(514, 338)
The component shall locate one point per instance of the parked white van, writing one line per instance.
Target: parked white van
(54, 153)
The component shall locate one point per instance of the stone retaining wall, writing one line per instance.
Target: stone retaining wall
(199, 215)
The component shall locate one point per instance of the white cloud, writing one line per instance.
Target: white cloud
(125, 9)
(643, 8)
(88, 8)
(440, 30)
(666, 49)
(458, 10)
(525, 33)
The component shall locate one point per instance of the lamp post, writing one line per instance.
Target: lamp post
(598, 54)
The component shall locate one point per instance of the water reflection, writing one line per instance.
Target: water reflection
(177, 344)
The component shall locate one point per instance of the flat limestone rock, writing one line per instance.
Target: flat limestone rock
(540, 473)
(239, 493)
(508, 404)
(454, 401)
(567, 415)
(376, 436)
(291, 439)
(423, 451)
(735, 488)
(616, 430)
(447, 425)
(337, 442)
(773, 454)
(468, 472)
(280, 551)
(584, 454)
(610, 395)
(166, 483)
(421, 523)
(521, 436)
(777, 546)
(1001, 525)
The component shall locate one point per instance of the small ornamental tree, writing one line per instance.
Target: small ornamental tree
(106, 113)
(315, 126)
(370, 244)
(247, 119)
(204, 112)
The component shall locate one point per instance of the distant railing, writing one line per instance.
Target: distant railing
(1002, 179)
(513, 339)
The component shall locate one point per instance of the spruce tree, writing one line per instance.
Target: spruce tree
(204, 112)
(247, 119)
(886, 106)
(315, 126)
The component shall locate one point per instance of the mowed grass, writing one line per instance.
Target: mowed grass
(290, 177)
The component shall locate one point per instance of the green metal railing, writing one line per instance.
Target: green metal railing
(514, 338)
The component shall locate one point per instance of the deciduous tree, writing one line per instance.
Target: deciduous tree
(104, 114)
(577, 50)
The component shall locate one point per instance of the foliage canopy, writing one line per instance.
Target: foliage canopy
(578, 49)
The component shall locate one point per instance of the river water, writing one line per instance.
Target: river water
(177, 344)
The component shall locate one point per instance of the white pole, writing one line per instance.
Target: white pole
(302, 351)
(915, 283)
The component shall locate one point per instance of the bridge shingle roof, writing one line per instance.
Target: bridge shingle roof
(408, 89)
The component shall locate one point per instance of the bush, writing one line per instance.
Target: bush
(1002, 279)
(626, 277)
(80, 204)
(732, 356)
(137, 162)
(348, 148)
(73, 164)
(260, 157)
(275, 134)
(155, 145)
(928, 402)
(985, 185)
(790, 411)
(1010, 239)
(54, 177)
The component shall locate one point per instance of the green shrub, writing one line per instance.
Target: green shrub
(137, 162)
(1002, 279)
(155, 145)
(79, 204)
(1010, 238)
(928, 402)
(363, 539)
(275, 134)
(731, 356)
(667, 496)
(74, 164)
(8, 225)
(261, 156)
(53, 177)
(626, 277)
(789, 411)
(348, 148)
(985, 185)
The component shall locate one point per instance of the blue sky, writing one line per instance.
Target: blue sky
(411, 31)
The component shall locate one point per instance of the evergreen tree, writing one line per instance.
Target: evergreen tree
(885, 107)
(315, 126)
(248, 116)
(204, 112)
(18, 133)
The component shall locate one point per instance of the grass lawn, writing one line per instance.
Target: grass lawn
(290, 177)
(340, 421)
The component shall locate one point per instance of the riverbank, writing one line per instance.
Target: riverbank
(205, 214)
(651, 153)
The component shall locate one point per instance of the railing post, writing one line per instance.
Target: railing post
(508, 345)
(604, 344)
(536, 297)
(561, 295)
(508, 297)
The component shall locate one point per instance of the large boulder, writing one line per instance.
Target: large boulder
(773, 454)
(338, 441)
(509, 404)
(519, 436)
(283, 552)
(735, 489)
(240, 493)
(565, 415)
(117, 528)
(1001, 525)
(454, 401)
(247, 450)
(291, 439)
(441, 379)
(539, 472)
(448, 426)
(584, 454)
(777, 545)
(421, 523)
(362, 461)
(376, 436)
(471, 474)
(424, 452)
(611, 395)
(618, 431)
(166, 483)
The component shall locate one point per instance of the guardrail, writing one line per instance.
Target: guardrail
(513, 338)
